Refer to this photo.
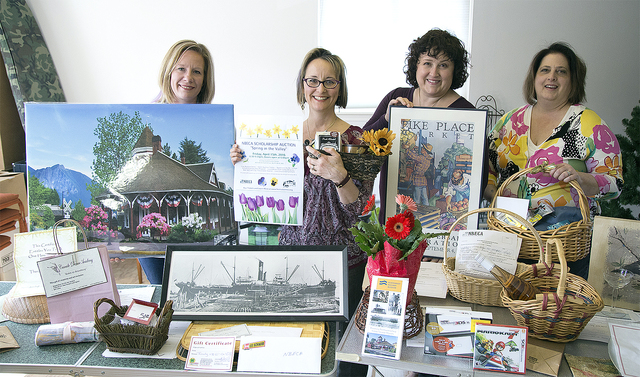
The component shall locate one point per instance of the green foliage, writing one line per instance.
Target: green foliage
(630, 169)
(450, 156)
(53, 197)
(204, 235)
(43, 218)
(117, 135)
(79, 212)
(193, 154)
(166, 149)
(38, 194)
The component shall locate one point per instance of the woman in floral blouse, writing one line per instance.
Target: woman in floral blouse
(555, 128)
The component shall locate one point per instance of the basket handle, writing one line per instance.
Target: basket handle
(546, 167)
(98, 303)
(55, 234)
(562, 282)
(516, 216)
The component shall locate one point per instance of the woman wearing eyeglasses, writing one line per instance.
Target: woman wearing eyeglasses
(332, 200)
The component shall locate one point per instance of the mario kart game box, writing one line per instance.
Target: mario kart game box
(500, 348)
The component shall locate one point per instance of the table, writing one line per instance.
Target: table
(85, 359)
(414, 359)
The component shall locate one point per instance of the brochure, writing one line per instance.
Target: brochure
(385, 318)
(500, 348)
(450, 332)
(269, 181)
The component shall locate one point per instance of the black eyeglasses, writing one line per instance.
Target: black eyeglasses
(314, 83)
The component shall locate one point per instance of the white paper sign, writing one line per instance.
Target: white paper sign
(279, 354)
(211, 353)
(269, 180)
(501, 248)
(29, 248)
(72, 271)
(385, 319)
(431, 281)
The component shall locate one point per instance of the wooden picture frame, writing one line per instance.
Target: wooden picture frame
(256, 283)
(437, 153)
(614, 244)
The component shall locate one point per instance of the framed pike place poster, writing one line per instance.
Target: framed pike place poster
(438, 162)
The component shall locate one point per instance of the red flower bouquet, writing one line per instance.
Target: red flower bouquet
(394, 249)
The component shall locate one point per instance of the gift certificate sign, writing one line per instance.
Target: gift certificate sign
(269, 181)
(211, 353)
(70, 272)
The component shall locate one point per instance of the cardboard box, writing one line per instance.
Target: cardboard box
(14, 183)
(7, 267)
(12, 137)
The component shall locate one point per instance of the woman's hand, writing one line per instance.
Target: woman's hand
(567, 173)
(564, 172)
(398, 101)
(326, 166)
(236, 154)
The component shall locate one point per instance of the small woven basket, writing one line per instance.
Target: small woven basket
(575, 237)
(136, 338)
(362, 166)
(477, 290)
(566, 305)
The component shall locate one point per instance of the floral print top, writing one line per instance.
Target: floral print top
(326, 219)
(581, 139)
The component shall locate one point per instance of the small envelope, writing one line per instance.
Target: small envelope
(7, 341)
(279, 354)
(544, 357)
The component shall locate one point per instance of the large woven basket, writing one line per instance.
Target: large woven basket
(575, 237)
(136, 338)
(476, 290)
(30, 310)
(567, 304)
(362, 166)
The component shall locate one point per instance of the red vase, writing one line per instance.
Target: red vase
(386, 263)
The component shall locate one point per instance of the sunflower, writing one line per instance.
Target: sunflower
(399, 226)
(379, 141)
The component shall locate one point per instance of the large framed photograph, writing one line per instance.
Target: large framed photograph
(438, 162)
(136, 176)
(614, 249)
(256, 283)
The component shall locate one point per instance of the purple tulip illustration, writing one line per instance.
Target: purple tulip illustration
(243, 199)
(259, 200)
(293, 203)
(251, 203)
(271, 201)
(260, 203)
(280, 208)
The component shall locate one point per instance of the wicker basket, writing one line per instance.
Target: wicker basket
(575, 237)
(363, 166)
(137, 338)
(562, 313)
(29, 310)
(476, 290)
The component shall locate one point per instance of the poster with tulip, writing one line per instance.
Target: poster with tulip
(269, 180)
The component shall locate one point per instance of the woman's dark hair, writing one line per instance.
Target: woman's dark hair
(577, 73)
(434, 43)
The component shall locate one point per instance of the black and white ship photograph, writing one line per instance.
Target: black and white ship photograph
(256, 282)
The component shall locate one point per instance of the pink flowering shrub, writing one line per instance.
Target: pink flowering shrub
(155, 223)
(97, 221)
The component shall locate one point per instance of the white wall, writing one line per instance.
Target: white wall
(605, 33)
(110, 51)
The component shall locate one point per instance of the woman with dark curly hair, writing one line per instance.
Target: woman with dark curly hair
(436, 64)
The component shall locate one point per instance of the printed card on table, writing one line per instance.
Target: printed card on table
(212, 353)
(500, 348)
(269, 180)
(385, 319)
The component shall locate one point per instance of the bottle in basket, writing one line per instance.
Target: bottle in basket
(517, 288)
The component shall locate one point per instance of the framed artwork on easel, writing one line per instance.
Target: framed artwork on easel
(438, 163)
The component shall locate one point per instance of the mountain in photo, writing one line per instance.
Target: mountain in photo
(70, 184)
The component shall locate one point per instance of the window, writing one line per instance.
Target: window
(373, 37)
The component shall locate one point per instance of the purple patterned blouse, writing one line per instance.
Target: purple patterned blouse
(326, 219)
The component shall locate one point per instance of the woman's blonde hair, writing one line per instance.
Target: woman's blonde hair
(169, 62)
(338, 67)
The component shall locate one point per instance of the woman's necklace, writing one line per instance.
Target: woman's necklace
(311, 142)
(433, 104)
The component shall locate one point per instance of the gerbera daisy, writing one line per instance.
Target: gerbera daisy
(370, 204)
(399, 226)
(406, 203)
